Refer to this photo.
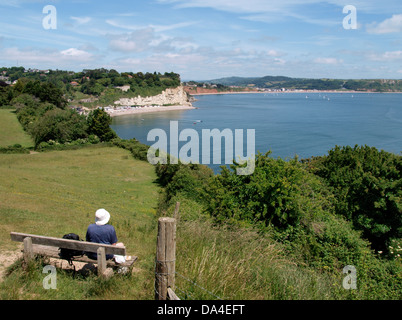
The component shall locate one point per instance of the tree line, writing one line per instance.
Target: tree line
(95, 81)
(41, 98)
(42, 110)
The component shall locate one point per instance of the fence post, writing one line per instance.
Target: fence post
(176, 211)
(165, 257)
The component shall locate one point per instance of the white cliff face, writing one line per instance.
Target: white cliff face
(171, 96)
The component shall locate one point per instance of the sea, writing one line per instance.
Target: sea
(287, 124)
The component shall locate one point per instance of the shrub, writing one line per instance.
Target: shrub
(190, 180)
(93, 139)
(278, 193)
(298, 210)
(59, 125)
(16, 148)
(367, 184)
(137, 149)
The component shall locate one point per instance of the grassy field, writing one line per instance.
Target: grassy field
(58, 192)
(11, 131)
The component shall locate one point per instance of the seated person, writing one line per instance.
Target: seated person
(102, 232)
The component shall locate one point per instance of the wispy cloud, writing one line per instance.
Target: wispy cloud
(283, 6)
(148, 40)
(135, 41)
(75, 53)
(156, 28)
(121, 25)
(391, 25)
(331, 61)
(31, 57)
(274, 17)
(386, 56)
(81, 20)
(238, 6)
(272, 11)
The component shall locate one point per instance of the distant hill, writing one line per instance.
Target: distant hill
(279, 82)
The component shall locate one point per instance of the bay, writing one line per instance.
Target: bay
(288, 123)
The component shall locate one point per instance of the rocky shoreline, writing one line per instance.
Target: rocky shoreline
(171, 96)
(171, 99)
(122, 111)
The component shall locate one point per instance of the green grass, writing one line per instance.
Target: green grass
(55, 193)
(221, 262)
(11, 131)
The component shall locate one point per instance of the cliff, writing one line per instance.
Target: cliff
(171, 96)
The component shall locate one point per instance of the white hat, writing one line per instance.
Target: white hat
(102, 217)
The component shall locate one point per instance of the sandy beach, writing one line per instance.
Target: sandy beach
(121, 111)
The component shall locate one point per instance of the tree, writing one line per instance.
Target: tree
(46, 92)
(119, 81)
(92, 87)
(98, 122)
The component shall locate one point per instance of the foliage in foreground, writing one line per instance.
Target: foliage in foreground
(367, 185)
(296, 209)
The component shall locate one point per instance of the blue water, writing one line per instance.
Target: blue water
(288, 124)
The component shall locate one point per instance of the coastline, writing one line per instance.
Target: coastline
(288, 91)
(225, 92)
(126, 110)
(122, 111)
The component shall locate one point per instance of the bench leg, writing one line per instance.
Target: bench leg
(103, 271)
(28, 251)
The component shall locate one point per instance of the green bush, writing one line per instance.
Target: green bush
(46, 92)
(367, 184)
(59, 125)
(93, 139)
(279, 193)
(137, 149)
(190, 180)
(16, 148)
(298, 210)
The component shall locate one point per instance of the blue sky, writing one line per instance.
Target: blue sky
(207, 39)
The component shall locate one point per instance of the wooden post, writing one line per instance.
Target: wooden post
(165, 257)
(176, 211)
(101, 262)
(28, 251)
(103, 270)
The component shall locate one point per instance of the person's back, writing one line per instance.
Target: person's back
(101, 232)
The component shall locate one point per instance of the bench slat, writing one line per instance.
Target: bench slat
(68, 244)
(53, 252)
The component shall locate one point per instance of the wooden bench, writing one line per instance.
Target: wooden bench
(49, 247)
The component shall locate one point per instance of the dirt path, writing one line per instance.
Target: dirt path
(7, 258)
